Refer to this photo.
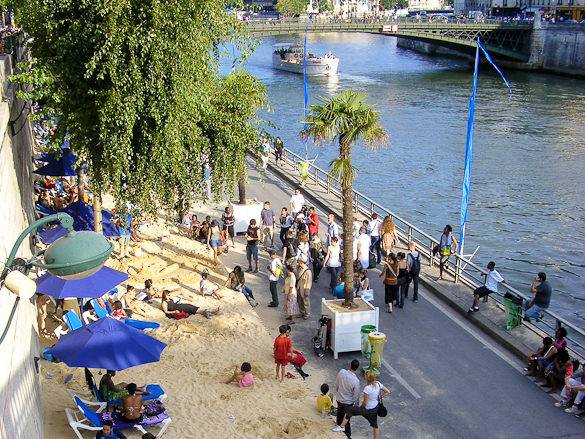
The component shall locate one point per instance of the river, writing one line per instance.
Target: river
(528, 185)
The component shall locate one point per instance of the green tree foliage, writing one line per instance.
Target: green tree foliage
(325, 5)
(292, 7)
(348, 118)
(137, 84)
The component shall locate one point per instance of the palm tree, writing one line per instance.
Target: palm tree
(348, 118)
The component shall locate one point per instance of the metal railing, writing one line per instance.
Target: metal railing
(376, 22)
(462, 269)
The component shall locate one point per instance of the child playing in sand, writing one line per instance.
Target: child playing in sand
(243, 377)
(325, 401)
(208, 288)
(282, 350)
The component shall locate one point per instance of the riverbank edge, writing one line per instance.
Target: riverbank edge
(434, 51)
(520, 348)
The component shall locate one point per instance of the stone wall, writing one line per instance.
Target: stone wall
(20, 406)
(427, 48)
(556, 48)
(563, 48)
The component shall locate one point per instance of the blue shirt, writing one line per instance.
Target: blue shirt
(115, 435)
(339, 291)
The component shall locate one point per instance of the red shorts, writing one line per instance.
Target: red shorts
(281, 361)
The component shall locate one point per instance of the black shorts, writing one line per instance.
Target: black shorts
(482, 291)
(370, 415)
(230, 230)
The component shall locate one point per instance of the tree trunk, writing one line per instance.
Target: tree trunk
(242, 189)
(80, 185)
(97, 211)
(347, 222)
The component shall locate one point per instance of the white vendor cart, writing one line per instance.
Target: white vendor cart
(243, 213)
(346, 323)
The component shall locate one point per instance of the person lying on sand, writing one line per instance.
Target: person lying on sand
(170, 308)
(207, 287)
(243, 376)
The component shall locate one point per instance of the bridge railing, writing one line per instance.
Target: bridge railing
(382, 20)
(462, 269)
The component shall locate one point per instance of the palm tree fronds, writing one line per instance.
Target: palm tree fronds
(343, 170)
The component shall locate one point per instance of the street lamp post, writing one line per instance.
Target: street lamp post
(74, 256)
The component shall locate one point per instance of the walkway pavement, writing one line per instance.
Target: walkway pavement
(448, 379)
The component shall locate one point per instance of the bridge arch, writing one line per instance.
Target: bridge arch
(510, 41)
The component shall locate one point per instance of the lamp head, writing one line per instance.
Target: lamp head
(77, 255)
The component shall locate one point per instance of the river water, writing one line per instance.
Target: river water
(528, 185)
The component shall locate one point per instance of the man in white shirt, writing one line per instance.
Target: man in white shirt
(375, 236)
(276, 270)
(492, 279)
(347, 386)
(332, 229)
(296, 202)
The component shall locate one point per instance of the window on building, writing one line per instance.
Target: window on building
(505, 3)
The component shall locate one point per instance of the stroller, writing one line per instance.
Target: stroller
(320, 342)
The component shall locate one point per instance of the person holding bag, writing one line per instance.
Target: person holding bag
(371, 406)
(390, 275)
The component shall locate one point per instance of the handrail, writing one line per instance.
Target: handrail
(464, 269)
(388, 20)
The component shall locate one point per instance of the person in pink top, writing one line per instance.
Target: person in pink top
(243, 376)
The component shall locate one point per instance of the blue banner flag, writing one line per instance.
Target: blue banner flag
(305, 87)
(469, 141)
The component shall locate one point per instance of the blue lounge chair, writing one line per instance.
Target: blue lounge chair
(87, 419)
(72, 321)
(138, 324)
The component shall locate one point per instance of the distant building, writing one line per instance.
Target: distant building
(354, 8)
(458, 7)
(563, 9)
(426, 5)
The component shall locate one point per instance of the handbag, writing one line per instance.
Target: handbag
(382, 410)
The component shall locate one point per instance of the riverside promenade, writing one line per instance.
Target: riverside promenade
(449, 378)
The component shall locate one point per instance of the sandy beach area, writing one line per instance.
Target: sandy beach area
(200, 355)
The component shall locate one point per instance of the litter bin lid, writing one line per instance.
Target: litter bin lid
(377, 336)
(366, 329)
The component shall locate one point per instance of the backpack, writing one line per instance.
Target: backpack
(415, 266)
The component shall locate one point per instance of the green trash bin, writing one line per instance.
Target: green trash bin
(513, 306)
(366, 346)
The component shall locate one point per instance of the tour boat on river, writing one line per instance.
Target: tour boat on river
(289, 57)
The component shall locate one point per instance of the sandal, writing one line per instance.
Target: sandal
(290, 375)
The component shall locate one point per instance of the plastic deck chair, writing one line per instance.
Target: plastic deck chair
(138, 324)
(72, 321)
(87, 419)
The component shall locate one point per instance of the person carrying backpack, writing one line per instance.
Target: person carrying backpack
(413, 263)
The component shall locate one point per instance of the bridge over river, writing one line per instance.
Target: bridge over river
(506, 40)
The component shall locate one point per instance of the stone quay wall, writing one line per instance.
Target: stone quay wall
(20, 402)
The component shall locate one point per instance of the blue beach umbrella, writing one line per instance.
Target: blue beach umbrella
(59, 167)
(107, 344)
(93, 286)
(82, 214)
